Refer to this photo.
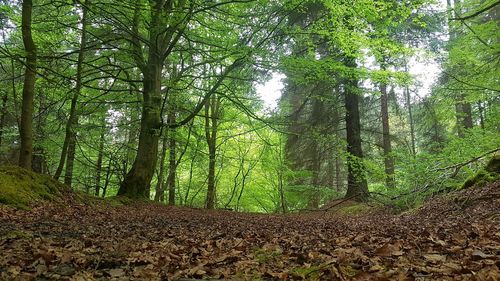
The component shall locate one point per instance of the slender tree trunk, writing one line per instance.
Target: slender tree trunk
(70, 161)
(100, 155)
(357, 187)
(70, 135)
(138, 179)
(386, 138)
(172, 168)
(410, 121)
(159, 190)
(211, 116)
(3, 115)
(106, 182)
(26, 128)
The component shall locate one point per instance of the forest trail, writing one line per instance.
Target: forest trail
(455, 237)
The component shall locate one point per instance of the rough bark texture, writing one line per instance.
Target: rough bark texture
(138, 179)
(386, 138)
(26, 128)
(357, 187)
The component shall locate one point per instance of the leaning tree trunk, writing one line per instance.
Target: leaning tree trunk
(26, 128)
(70, 135)
(138, 179)
(357, 187)
(386, 138)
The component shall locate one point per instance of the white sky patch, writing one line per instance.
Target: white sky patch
(270, 91)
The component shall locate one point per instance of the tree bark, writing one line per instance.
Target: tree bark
(70, 135)
(26, 128)
(211, 122)
(3, 115)
(172, 166)
(100, 155)
(357, 187)
(386, 138)
(70, 160)
(159, 190)
(138, 179)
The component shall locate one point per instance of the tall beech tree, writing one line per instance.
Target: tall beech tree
(26, 127)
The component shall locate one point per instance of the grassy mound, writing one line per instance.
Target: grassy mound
(20, 188)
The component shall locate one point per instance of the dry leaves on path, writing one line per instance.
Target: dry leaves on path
(441, 241)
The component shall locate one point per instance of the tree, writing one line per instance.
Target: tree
(26, 127)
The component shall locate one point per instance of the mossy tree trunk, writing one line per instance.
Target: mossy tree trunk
(26, 128)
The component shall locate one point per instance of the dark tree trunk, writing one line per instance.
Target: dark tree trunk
(386, 138)
(172, 166)
(138, 180)
(357, 187)
(159, 190)
(70, 161)
(410, 121)
(26, 128)
(464, 115)
(100, 155)
(3, 115)
(108, 176)
(211, 122)
(70, 135)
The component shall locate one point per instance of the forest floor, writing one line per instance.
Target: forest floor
(452, 237)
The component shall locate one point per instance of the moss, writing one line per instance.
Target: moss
(307, 273)
(354, 209)
(489, 174)
(20, 188)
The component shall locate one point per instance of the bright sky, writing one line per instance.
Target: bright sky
(424, 72)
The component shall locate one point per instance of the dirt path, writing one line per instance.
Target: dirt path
(457, 238)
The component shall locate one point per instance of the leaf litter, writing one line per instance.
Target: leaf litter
(446, 239)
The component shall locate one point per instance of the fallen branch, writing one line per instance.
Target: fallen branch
(458, 166)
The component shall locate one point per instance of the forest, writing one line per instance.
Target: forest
(249, 140)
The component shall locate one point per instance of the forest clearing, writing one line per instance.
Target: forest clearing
(249, 140)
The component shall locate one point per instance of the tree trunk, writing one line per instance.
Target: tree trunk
(3, 115)
(410, 121)
(70, 135)
(138, 179)
(26, 128)
(172, 165)
(211, 116)
(386, 138)
(70, 161)
(99, 161)
(106, 183)
(357, 187)
(464, 115)
(159, 190)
